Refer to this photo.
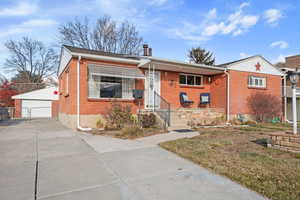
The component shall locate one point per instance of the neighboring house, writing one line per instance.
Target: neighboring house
(42, 103)
(290, 65)
(90, 80)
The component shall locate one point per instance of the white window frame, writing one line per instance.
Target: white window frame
(102, 75)
(252, 82)
(186, 84)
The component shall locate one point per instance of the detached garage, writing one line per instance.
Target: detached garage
(41, 103)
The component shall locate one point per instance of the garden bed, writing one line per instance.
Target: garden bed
(241, 154)
(129, 134)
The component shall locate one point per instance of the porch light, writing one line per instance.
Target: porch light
(294, 78)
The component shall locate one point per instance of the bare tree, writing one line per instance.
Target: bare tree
(106, 35)
(201, 56)
(31, 58)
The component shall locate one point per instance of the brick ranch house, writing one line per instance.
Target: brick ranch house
(176, 91)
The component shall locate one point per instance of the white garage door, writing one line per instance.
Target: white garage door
(36, 108)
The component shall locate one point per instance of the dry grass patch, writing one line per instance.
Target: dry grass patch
(241, 155)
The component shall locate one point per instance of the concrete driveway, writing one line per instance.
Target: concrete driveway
(79, 166)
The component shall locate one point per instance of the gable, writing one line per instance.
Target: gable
(65, 58)
(42, 94)
(256, 64)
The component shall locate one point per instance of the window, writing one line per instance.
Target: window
(259, 82)
(193, 80)
(110, 87)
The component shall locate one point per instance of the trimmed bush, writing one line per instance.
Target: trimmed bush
(264, 106)
(147, 120)
(119, 116)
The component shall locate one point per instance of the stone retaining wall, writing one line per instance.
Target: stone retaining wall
(287, 142)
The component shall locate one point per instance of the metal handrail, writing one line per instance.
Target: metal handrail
(162, 108)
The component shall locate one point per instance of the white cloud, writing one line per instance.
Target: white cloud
(212, 13)
(21, 9)
(280, 58)
(38, 23)
(27, 26)
(244, 55)
(236, 23)
(157, 2)
(281, 44)
(272, 16)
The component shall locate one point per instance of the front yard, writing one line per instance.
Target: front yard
(241, 154)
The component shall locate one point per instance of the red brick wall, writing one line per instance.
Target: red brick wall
(55, 105)
(18, 108)
(170, 90)
(218, 90)
(239, 90)
(68, 102)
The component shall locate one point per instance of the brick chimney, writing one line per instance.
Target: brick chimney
(150, 52)
(145, 47)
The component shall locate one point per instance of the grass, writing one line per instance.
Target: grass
(241, 155)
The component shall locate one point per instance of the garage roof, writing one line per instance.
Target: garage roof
(42, 94)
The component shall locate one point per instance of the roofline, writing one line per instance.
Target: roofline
(106, 58)
(17, 95)
(292, 56)
(241, 60)
(184, 63)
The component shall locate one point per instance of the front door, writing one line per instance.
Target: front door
(152, 84)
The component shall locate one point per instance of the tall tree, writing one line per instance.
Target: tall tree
(201, 56)
(31, 58)
(105, 35)
(23, 83)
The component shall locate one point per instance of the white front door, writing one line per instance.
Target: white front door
(152, 83)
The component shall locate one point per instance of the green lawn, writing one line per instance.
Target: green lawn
(241, 155)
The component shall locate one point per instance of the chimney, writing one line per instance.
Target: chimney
(145, 47)
(150, 52)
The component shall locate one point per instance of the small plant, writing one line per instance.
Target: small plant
(147, 120)
(99, 124)
(131, 132)
(119, 116)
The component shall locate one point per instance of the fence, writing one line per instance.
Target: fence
(7, 113)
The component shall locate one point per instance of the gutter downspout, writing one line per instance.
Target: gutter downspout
(228, 97)
(78, 97)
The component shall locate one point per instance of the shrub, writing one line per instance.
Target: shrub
(147, 120)
(264, 106)
(99, 124)
(131, 132)
(118, 116)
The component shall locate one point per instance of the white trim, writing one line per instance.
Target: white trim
(118, 76)
(107, 58)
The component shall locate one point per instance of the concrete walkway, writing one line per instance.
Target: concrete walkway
(80, 166)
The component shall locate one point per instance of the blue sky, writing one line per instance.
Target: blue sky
(231, 29)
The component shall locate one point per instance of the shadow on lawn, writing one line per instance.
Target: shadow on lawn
(262, 141)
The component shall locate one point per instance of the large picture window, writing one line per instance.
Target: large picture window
(258, 82)
(110, 87)
(193, 80)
